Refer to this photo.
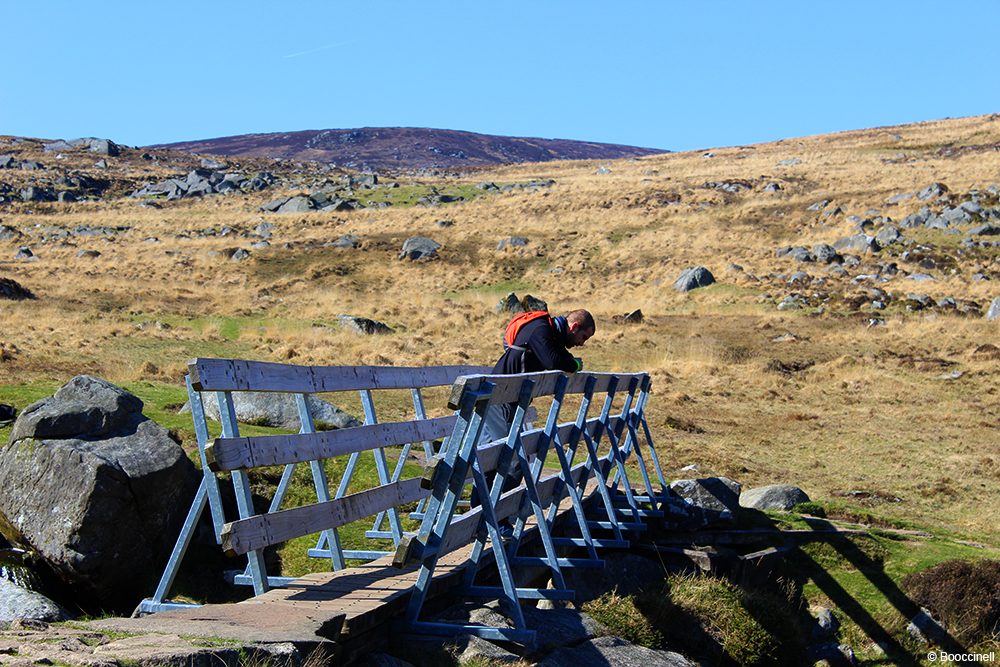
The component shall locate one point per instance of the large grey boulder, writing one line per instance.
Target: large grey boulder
(613, 652)
(96, 489)
(18, 604)
(711, 501)
(298, 204)
(263, 408)
(419, 248)
(773, 497)
(693, 278)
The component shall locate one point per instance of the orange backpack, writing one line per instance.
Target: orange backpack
(516, 324)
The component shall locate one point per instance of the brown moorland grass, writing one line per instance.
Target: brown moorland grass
(838, 407)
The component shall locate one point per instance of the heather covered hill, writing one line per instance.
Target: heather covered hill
(373, 148)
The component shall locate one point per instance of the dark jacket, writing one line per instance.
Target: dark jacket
(544, 349)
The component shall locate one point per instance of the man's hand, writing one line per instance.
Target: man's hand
(579, 364)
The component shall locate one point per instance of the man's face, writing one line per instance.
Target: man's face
(578, 335)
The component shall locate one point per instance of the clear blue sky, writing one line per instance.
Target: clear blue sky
(673, 75)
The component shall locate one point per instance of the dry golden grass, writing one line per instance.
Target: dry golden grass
(868, 410)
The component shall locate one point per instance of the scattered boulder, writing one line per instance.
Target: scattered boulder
(96, 489)
(984, 230)
(24, 253)
(263, 408)
(886, 236)
(635, 317)
(932, 191)
(860, 243)
(214, 165)
(826, 254)
(512, 242)
(363, 326)
(20, 604)
(513, 305)
(613, 652)
(994, 312)
(693, 278)
(710, 501)
(347, 241)
(419, 249)
(274, 204)
(300, 204)
(9, 233)
(773, 497)
(11, 289)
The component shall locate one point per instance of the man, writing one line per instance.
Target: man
(534, 342)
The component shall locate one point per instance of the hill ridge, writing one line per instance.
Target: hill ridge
(373, 148)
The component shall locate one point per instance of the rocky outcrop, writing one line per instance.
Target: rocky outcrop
(96, 489)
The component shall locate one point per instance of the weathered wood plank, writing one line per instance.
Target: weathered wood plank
(507, 388)
(244, 375)
(265, 450)
(262, 530)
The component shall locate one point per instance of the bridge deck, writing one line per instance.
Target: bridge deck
(316, 607)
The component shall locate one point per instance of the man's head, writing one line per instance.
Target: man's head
(579, 328)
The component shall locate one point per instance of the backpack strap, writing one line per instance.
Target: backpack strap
(514, 328)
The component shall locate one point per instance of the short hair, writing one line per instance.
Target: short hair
(583, 318)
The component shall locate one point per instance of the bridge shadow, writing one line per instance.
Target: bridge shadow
(872, 569)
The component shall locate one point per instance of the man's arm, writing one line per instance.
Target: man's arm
(551, 352)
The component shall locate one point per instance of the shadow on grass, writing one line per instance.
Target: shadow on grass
(872, 570)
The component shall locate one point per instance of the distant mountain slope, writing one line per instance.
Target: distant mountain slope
(406, 148)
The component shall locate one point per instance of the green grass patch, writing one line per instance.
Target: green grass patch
(501, 288)
(410, 195)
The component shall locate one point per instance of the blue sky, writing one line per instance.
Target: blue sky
(673, 75)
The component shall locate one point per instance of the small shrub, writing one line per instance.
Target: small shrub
(964, 595)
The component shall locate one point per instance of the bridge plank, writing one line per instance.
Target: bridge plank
(262, 530)
(507, 388)
(244, 375)
(250, 452)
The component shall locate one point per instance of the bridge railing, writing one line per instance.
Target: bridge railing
(548, 497)
(233, 455)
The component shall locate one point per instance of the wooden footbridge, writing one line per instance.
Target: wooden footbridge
(499, 518)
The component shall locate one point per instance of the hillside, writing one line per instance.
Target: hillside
(405, 148)
(844, 347)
